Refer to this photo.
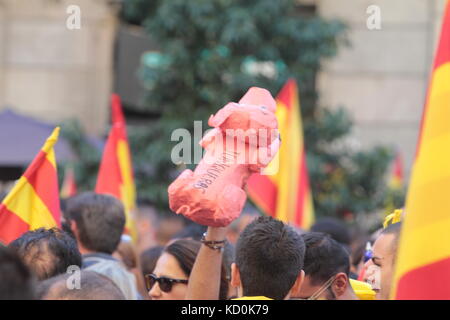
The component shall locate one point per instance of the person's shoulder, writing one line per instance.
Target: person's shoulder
(97, 256)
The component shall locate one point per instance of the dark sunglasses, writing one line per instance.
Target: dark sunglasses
(165, 283)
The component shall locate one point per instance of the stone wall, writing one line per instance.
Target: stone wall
(50, 72)
(382, 77)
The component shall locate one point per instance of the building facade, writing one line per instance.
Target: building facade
(382, 77)
(52, 72)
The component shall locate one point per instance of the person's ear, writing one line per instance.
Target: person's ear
(295, 290)
(340, 284)
(235, 276)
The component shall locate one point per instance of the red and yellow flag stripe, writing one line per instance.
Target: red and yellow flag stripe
(116, 172)
(69, 186)
(286, 194)
(396, 181)
(34, 200)
(423, 261)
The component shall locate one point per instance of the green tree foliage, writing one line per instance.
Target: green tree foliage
(88, 159)
(210, 51)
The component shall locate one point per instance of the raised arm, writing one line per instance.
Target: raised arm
(204, 281)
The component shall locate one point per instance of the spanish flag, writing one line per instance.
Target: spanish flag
(69, 186)
(283, 190)
(34, 200)
(396, 181)
(423, 259)
(116, 172)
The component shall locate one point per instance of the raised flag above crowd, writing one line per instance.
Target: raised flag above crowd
(284, 192)
(423, 263)
(115, 176)
(69, 185)
(33, 202)
(397, 176)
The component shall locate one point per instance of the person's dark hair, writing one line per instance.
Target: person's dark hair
(93, 286)
(16, 281)
(65, 220)
(47, 252)
(324, 257)
(149, 258)
(62, 206)
(359, 250)
(185, 252)
(335, 228)
(393, 229)
(269, 256)
(100, 220)
(126, 252)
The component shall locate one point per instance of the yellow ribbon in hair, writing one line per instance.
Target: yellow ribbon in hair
(392, 218)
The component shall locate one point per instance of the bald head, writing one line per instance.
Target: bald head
(393, 231)
(93, 286)
(382, 264)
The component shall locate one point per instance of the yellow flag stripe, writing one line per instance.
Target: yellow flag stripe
(425, 237)
(128, 191)
(281, 114)
(308, 217)
(433, 164)
(51, 157)
(28, 206)
(437, 117)
(50, 142)
(295, 159)
(287, 152)
(127, 188)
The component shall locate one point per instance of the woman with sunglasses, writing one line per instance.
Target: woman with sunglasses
(171, 274)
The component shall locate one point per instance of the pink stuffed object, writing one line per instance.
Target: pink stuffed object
(244, 140)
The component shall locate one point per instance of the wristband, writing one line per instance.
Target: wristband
(214, 245)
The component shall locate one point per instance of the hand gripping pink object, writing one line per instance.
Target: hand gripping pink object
(244, 140)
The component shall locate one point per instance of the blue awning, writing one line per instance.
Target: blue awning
(22, 137)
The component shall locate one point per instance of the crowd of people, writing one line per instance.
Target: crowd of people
(256, 257)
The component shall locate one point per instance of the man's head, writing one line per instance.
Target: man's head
(97, 220)
(47, 252)
(380, 268)
(269, 259)
(92, 286)
(327, 267)
(16, 281)
(65, 221)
